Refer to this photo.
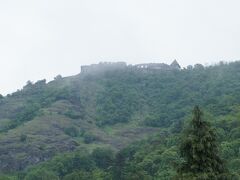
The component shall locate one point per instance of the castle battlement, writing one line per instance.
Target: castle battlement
(103, 66)
(159, 66)
(106, 66)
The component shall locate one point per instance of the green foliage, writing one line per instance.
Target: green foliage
(63, 165)
(117, 104)
(103, 157)
(3, 177)
(83, 175)
(151, 159)
(121, 101)
(200, 151)
(41, 175)
(235, 165)
(155, 121)
(27, 113)
(78, 175)
(235, 133)
(76, 165)
(23, 137)
(89, 137)
(73, 114)
(72, 131)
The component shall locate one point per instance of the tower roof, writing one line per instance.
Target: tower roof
(175, 64)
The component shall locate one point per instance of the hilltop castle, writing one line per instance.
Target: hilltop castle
(104, 66)
(160, 66)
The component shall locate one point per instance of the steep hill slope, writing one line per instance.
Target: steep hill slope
(110, 108)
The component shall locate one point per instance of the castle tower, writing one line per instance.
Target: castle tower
(175, 65)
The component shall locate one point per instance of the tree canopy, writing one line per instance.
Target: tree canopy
(199, 150)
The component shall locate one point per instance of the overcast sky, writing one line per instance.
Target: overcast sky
(43, 38)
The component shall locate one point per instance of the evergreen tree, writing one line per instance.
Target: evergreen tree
(118, 168)
(200, 152)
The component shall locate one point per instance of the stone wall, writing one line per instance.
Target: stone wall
(106, 66)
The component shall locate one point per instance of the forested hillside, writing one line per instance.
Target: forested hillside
(121, 123)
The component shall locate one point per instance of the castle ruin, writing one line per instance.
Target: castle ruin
(106, 66)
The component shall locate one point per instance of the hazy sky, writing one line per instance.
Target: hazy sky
(43, 38)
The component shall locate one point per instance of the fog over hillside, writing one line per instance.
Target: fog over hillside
(41, 39)
(114, 116)
(119, 90)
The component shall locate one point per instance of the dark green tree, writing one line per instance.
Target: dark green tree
(103, 157)
(118, 168)
(200, 151)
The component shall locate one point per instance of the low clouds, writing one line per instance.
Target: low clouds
(40, 39)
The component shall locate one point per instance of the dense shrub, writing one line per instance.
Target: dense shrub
(72, 131)
(41, 175)
(89, 138)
